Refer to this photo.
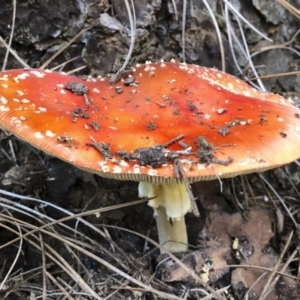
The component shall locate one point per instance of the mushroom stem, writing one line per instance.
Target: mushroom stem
(171, 235)
(172, 202)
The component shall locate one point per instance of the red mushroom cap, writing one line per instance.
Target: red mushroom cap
(227, 127)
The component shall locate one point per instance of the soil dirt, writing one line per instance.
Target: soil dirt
(244, 230)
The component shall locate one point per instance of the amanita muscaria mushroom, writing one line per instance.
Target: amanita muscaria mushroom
(162, 122)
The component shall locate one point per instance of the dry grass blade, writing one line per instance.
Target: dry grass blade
(277, 46)
(262, 268)
(45, 64)
(76, 70)
(132, 19)
(273, 273)
(175, 9)
(14, 54)
(56, 258)
(16, 257)
(77, 234)
(61, 66)
(275, 75)
(72, 272)
(184, 5)
(22, 209)
(218, 31)
(219, 291)
(172, 256)
(280, 199)
(283, 46)
(44, 266)
(32, 273)
(236, 12)
(292, 9)
(11, 35)
(66, 241)
(71, 215)
(231, 36)
(284, 267)
(241, 46)
(108, 265)
(64, 291)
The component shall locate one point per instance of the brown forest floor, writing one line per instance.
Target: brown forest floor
(108, 255)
